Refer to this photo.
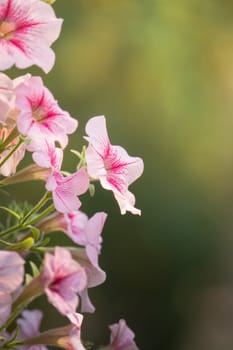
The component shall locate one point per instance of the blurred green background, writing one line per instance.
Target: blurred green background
(162, 74)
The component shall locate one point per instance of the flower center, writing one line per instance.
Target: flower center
(6, 29)
(38, 113)
(108, 164)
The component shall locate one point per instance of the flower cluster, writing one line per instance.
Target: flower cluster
(31, 121)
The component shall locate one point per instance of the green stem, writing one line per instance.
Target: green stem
(10, 230)
(14, 149)
(37, 207)
(41, 215)
(30, 292)
(7, 244)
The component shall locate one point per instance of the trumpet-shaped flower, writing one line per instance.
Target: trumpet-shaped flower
(122, 337)
(27, 30)
(41, 119)
(67, 337)
(111, 165)
(62, 277)
(86, 232)
(66, 189)
(95, 275)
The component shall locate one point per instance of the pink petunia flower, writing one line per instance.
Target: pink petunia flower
(83, 231)
(29, 325)
(66, 189)
(41, 119)
(86, 232)
(95, 275)
(122, 337)
(62, 278)
(111, 165)
(27, 30)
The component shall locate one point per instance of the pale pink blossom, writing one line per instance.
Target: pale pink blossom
(27, 30)
(41, 119)
(122, 337)
(29, 325)
(86, 232)
(11, 271)
(111, 165)
(62, 278)
(8, 108)
(66, 189)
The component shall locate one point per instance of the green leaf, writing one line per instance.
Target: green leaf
(23, 245)
(35, 232)
(44, 242)
(12, 212)
(34, 268)
(76, 153)
(28, 278)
